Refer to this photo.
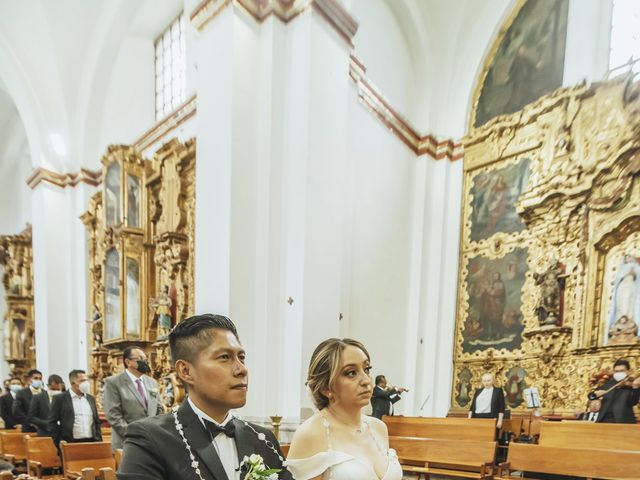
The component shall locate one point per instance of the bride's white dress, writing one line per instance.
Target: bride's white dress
(336, 465)
(341, 466)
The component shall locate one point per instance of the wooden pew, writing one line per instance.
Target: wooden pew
(117, 455)
(41, 453)
(13, 446)
(451, 458)
(78, 456)
(451, 428)
(588, 463)
(581, 434)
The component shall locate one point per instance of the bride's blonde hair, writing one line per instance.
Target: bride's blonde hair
(325, 365)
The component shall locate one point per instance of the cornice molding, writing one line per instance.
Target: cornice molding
(172, 121)
(285, 10)
(374, 101)
(64, 180)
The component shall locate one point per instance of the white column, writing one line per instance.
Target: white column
(215, 51)
(59, 271)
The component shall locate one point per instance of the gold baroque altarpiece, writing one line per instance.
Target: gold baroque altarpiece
(16, 257)
(549, 282)
(141, 271)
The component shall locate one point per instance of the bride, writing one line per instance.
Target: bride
(338, 442)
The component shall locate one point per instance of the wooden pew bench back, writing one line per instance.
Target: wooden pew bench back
(588, 463)
(13, 446)
(477, 429)
(614, 436)
(78, 456)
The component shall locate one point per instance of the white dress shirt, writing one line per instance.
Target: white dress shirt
(135, 383)
(483, 402)
(83, 419)
(225, 446)
(593, 416)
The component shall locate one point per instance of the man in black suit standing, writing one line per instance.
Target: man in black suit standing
(6, 404)
(384, 397)
(617, 405)
(201, 439)
(39, 408)
(73, 416)
(23, 399)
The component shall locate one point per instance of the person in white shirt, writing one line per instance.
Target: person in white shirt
(594, 409)
(488, 401)
(73, 416)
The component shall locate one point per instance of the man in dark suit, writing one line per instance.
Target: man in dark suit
(39, 408)
(384, 397)
(23, 399)
(6, 403)
(617, 405)
(131, 395)
(201, 436)
(73, 416)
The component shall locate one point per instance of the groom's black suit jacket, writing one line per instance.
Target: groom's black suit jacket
(154, 450)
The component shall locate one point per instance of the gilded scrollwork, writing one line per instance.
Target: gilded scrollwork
(16, 258)
(568, 165)
(140, 250)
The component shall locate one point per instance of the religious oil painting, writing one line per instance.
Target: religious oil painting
(494, 287)
(514, 386)
(623, 315)
(463, 387)
(529, 61)
(112, 195)
(494, 196)
(133, 201)
(133, 298)
(113, 326)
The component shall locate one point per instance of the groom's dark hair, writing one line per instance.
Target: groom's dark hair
(189, 337)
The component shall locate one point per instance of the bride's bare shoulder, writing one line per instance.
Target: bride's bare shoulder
(309, 438)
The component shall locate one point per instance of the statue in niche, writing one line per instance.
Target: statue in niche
(551, 284)
(624, 316)
(163, 305)
(96, 328)
(19, 339)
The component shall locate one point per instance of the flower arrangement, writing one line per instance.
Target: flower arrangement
(253, 468)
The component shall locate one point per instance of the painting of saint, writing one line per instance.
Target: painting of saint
(463, 387)
(494, 196)
(113, 326)
(514, 386)
(133, 298)
(112, 195)
(494, 318)
(133, 201)
(624, 310)
(529, 61)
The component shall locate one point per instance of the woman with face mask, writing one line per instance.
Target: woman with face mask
(73, 416)
(617, 403)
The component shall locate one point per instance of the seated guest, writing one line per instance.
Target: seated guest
(488, 401)
(617, 404)
(383, 397)
(73, 416)
(6, 403)
(130, 395)
(39, 408)
(338, 441)
(591, 414)
(23, 399)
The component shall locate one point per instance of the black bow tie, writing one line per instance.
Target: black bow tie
(214, 429)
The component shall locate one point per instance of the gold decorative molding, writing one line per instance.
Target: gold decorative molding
(176, 118)
(63, 180)
(375, 102)
(285, 10)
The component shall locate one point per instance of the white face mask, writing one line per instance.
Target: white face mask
(85, 387)
(53, 393)
(37, 384)
(618, 376)
(15, 388)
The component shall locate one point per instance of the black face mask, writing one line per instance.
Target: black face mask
(143, 366)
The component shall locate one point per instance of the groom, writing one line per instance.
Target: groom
(210, 361)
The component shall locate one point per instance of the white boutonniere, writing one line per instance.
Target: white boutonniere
(253, 468)
(153, 392)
